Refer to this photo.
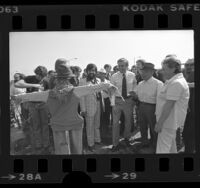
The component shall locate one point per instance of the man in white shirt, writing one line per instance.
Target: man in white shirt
(126, 82)
(147, 91)
(172, 104)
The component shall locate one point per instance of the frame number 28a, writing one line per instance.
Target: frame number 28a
(30, 177)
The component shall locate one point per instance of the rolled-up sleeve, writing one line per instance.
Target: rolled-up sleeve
(174, 91)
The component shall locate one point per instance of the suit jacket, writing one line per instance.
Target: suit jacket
(89, 103)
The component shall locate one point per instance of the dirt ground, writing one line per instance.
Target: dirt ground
(19, 146)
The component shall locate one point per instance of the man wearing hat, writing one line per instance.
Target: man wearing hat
(147, 91)
(63, 102)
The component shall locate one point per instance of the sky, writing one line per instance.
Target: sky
(31, 49)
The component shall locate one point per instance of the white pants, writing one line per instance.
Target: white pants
(166, 142)
(92, 127)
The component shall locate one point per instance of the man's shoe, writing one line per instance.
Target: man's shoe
(91, 148)
(145, 144)
(115, 148)
(46, 151)
(98, 143)
(37, 151)
(127, 142)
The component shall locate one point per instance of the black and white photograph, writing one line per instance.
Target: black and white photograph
(102, 92)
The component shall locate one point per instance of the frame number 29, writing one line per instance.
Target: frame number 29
(129, 176)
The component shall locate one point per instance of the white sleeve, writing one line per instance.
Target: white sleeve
(174, 91)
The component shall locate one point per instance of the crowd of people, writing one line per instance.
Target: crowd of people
(59, 108)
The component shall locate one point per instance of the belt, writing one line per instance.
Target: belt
(37, 102)
(145, 103)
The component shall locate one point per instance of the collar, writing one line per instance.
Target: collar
(123, 73)
(179, 75)
(149, 80)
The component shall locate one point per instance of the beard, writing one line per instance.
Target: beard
(91, 76)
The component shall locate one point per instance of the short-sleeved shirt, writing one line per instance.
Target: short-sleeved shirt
(31, 80)
(175, 89)
(147, 90)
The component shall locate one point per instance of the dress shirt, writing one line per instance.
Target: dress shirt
(147, 91)
(131, 81)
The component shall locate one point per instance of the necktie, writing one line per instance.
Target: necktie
(124, 88)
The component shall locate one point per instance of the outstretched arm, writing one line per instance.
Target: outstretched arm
(22, 84)
(81, 91)
(35, 96)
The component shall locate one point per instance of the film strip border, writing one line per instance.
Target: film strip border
(98, 17)
(101, 168)
(104, 169)
(66, 22)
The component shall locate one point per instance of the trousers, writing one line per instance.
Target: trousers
(166, 142)
(39, 126)
(93, 126)
(147, 119)
(68, 142)
(127, 108)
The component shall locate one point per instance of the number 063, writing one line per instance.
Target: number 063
(9, 9)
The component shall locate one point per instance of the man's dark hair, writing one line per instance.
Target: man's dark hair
(21, 76)
(106, 66)
(133, 67)
(91, 66)
(41, 71)
(51, 71)
(76, 69)
(123, 60)
(115, 68)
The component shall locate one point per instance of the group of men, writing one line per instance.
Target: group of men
(138, 90)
